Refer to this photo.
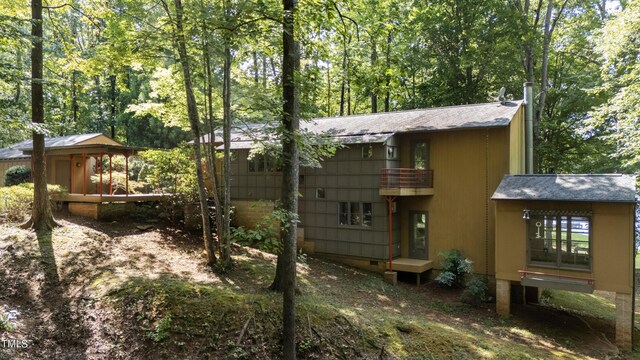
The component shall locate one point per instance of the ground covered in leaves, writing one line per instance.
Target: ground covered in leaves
(126, 290)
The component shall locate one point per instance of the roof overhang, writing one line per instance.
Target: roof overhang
(90, 149)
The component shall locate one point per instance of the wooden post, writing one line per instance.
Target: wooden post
(100, 164)
(390, 206)
(110, 175)
(71, 173)
(126, 175)
(84, 174)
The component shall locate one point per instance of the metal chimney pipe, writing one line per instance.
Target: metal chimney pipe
(528, 129)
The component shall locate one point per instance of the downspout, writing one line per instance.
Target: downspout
(528, 121)
(633, 293)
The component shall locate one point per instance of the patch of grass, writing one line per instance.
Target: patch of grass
(587, 304)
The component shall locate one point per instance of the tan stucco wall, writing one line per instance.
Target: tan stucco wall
(517, 144)
(5, 165)
(100, 139)
(612, 229)
(468, 165)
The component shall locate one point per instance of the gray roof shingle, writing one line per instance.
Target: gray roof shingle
(434, 119)
(15, 151)
(377, 128)
(589, 187)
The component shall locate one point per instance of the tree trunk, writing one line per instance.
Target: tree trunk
(100, 126)
(226, 133)
(211, 146)
(112, 85)
(286, 266)
(374, 86)
(192, 111)
(41, 215)
(387, 97)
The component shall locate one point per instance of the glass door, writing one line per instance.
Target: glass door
(418, 235)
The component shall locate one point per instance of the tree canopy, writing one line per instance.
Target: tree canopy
(110, 67)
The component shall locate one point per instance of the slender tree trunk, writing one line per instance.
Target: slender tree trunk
(100, 125)
(256, 73)
(192, 111)
(264, 71)
(226, 130)
(112, 85)
(74, 97)
(329, 90)
(211, 146)
(41, 215)
(387, 96)
(19, 64)
(374, 86)
(286, 266)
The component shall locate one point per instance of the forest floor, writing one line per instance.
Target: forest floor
(109, 290)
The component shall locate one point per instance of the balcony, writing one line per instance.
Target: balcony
(406, 182)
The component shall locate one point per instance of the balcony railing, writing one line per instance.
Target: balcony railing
(398, 178)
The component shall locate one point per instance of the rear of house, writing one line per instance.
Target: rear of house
(435, 169)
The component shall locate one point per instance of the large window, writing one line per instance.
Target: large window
(263, 163)
(559, 240)
(355, 214)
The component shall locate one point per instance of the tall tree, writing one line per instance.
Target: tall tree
(192, 111)
(286, 266)
(41, 215)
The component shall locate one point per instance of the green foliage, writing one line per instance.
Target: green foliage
(476, 291)
(264, 234)
(162, 329)
(617, 119)
(455, 268)
(15, 201)
(16, 175)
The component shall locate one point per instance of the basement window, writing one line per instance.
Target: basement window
(559, 240)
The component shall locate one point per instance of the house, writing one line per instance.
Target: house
(569, 232)
(436, 169)
(71, 161)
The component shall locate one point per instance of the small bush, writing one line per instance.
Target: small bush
(15, 201)
(455, 267)
(263, 236)
(476, 292)
(16, 175)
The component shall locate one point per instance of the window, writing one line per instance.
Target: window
(392, 152)
(263, 163)
(355, 214)
(367, 151)
(320, 193)
(420, 155)
(559, 240)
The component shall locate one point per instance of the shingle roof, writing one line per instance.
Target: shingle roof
(590, 187)
(434, 119)
(15, 151)
(377, 128)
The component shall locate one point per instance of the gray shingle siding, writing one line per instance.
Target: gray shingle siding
(346, 177)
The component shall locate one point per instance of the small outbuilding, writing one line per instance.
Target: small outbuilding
(569, 232)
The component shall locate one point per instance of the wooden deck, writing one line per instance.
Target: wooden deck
(96, 198)
(416, 266)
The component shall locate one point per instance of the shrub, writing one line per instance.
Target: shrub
(15, 201)
(16, 175)
(263, 236)
(476, 291)
(454, 269)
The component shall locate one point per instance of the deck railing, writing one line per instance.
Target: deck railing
(406, 178)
